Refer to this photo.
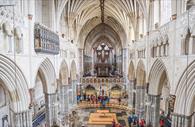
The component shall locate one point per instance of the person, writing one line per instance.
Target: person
(99, 98)
(78, 98)
(118, 125)
(141, 123)
(88, 98)
(84, 97)
(96, 100)
(130, 120)
(162, 122)
(91, 98)
(135, 119)
(103, 103)
(108, 100)
(119, 100)
(113, 123)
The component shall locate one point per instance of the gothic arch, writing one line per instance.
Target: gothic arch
(185, 42)
(73, 71)
(185, 91)
(140, 73)
(131, 73)
(16, 84)
(47, 72)
(158, 77)
(63, 73)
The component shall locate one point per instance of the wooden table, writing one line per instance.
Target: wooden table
(102, 118)
(102, 111)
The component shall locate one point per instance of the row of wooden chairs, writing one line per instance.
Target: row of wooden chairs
(85, 105)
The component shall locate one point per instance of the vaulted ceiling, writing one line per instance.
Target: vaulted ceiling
(81, 16)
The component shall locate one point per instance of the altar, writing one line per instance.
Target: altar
(101, 118)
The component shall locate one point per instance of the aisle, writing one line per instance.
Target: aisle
(84, 115)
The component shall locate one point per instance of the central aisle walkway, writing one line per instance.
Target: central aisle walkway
(84, 117)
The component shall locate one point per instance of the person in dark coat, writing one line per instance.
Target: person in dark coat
(130, 120)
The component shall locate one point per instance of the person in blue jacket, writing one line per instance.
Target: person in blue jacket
(130, 120)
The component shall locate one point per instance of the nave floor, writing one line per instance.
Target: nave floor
(84, 115)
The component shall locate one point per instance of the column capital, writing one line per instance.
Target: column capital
(182, 115)
(174, 17)
(141, 87)
(154, 95)
(80, 49)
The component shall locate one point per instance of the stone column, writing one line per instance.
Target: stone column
(110, 60)
(174, 9)
(140, 100)
(182, 120)
(81, 53)
(157, 51)
(166, 50)
(162, 50)
(130, 93)
(51, 109)
(153, 110)
(63, 103)
(191, 45)
(74, 92)
(193, 120)
(23, 119)
(63, 99)
(70, 95)
(124, 61)
(93, 62)
(148, 103)
(156, 11)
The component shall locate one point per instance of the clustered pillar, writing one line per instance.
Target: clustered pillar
(81, 52)
(51, 109)
(70, 99)
(125, 61)
(182, 120)
(23, 119)
(64, 99)
(140, 100)
(131, 93)
(153, 109)
(74, 92)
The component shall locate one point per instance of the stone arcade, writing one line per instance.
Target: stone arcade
(61, 61)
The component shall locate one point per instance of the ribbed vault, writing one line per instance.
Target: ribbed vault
(81, 16)
(101, 33)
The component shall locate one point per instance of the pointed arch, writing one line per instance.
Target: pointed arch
(73, 72)
(64, 73)
(140, 73)
(15, 82)
(158, 77)
(131, 73)
(47, 72)
(185, 91)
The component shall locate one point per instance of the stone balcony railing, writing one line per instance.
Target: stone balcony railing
(46, 41)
